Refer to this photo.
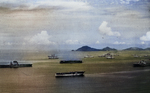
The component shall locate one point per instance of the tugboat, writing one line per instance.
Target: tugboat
(141, 63)
(70, 74)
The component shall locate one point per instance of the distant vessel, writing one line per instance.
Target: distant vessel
(70, 74)
(141, 63)
(53, 56)
(14, 64)
(71, 61)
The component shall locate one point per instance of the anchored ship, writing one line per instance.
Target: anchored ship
(141, 63)
(71, 61)
(14, 64)
(70, 74)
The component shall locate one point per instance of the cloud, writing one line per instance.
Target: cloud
(104, 29)
(74, 5)
(72, 42)
(10, 1)
(146, 37)
(41, 38)
(142, 42)
(117, 43)
(97, 42)
(128, 13)
(58, 4)
(127, 1)
(8, 43)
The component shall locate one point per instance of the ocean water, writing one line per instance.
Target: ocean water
(42, 80)
(105, 83)
(26, 80)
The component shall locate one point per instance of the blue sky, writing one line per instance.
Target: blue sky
(70, 24)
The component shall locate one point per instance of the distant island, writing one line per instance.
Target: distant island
(87, 48)
(134, 48)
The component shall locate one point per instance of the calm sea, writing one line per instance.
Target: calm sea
(35, 80)
(126, 82)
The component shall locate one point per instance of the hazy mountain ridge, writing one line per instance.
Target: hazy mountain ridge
(108, 49)
(87, 48)
(147, 48)
(134, 48)
(137, 48)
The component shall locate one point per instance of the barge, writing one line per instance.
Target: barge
(14, 64)
(70, 74)
(71, 61)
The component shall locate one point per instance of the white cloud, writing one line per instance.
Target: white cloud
(10, 1)
(142, 42)
(75, 5)
(59, 4)
(72, 42)
(128, 13)
(127, 1)
(104, 29)
(97, 42)
(8, 43)
(119, 43)
(146, 37)
(41, 38)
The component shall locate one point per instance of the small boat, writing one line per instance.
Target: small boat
(53, 56)
(70, 74)
(141, 63)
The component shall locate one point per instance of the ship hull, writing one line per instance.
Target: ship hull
(138, 65)
(71, 61)
(70, 74)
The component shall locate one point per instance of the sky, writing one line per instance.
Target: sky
(70, 24)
